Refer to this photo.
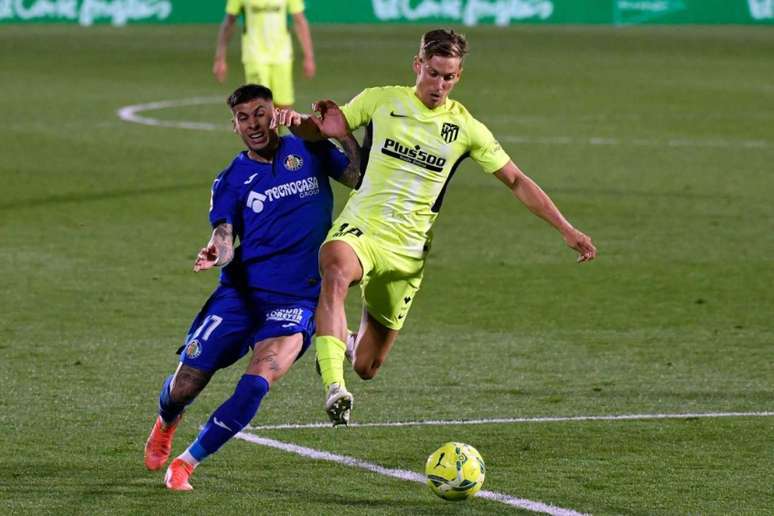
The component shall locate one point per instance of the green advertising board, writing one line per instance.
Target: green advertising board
(467, 12)
(507, 12)
(115, 12)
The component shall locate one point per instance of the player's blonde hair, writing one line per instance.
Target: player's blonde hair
(442, 42)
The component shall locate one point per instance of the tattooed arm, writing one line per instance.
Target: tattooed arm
(299, 123)
(351, 175)
(219, 250)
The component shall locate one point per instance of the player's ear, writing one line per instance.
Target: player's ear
(417, 65)
(233, 124)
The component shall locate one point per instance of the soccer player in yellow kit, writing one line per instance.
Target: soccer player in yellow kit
(416, 138)
(267, 51)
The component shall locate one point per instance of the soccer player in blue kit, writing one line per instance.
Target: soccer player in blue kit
(275, 198)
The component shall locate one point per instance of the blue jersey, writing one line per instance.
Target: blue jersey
(281, 213)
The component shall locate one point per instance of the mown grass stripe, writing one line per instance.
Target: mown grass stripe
(400, 474)
(509, 420)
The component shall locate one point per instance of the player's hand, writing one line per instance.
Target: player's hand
(582, 244)
(284, 117)
(331, 121)
(310, 68)
(206, 259)
(220, 69)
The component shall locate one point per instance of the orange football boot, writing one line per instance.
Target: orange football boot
(159, 444)
(177, 476)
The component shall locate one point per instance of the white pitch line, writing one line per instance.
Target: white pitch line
(130, 114)
(400, 474)
(508, 420)
(638, 142)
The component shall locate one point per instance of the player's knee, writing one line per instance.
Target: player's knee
(335, 280)
(367, 371)
(270, 371)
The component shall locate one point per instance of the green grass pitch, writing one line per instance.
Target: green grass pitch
(658, 142)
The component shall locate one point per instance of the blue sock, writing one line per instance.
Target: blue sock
(231, 417)
(169, 410)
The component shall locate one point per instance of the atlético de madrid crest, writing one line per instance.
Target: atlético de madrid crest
(449, 132)
(293, 162)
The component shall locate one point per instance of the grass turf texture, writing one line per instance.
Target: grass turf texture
(101, 220)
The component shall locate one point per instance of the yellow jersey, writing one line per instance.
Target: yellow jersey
(265, 37)
(411, 153)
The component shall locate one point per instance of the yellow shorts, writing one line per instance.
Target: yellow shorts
(390, 280)
(277, 77)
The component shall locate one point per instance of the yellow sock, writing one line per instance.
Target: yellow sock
(330, 356)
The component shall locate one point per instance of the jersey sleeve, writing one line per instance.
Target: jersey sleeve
(360, 109)
(224, 200)
(234, 7)
(333, 161)
(484, 149)
(295, 6)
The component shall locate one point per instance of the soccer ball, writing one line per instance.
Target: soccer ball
(455, 471)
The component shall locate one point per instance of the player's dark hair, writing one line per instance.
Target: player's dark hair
(444, 43)
(247, 93)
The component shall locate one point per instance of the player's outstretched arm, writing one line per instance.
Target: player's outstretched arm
(351, 175)
(300, 125)
(307, 129)
(219, 65)
(539, 203)
(327, 121)
(294, 121)
(219, 251)
(285, 117)
(288, 118)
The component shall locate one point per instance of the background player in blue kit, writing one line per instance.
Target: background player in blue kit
(275, 198)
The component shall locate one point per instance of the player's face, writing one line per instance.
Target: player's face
(436, 78)
(251, 123)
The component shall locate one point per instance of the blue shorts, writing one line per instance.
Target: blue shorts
(233, 320)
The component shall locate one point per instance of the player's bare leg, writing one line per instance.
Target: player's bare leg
(188, 383)
(177, 393)
(340, 269)
(372, 345)
(271, 359)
